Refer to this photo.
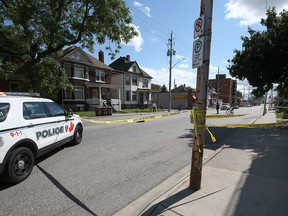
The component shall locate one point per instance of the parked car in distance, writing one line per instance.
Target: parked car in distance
(29, 128)
(225, 106)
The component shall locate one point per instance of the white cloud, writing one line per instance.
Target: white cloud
(153, 39)
(181, 76)
(251, 11)
(144, 9)
(183, 66)
(137, 41)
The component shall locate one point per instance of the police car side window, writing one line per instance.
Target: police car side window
(54, 109)
(26, 114)
(4, 109)
(35, 110)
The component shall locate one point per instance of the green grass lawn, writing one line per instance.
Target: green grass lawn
(278, 114)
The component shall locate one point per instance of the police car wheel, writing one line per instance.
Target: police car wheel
(77, 138)
(20, 165)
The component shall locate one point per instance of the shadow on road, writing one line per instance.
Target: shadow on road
(65, 191)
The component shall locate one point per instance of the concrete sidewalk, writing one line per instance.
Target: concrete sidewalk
(247, 175)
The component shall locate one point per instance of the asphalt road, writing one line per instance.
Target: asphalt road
(114, 165)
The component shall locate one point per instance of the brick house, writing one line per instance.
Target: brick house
(226, 87)
(95, 83)
(92, 81)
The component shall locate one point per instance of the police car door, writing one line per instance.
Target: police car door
(38, 125)
(63, 125)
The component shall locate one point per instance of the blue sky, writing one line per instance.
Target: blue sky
(155, 19)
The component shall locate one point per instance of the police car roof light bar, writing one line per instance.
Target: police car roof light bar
(27, 94)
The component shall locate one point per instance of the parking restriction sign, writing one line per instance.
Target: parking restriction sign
(199, 27)
(197, 58)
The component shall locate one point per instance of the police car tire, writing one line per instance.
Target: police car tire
(77, 137)
(19, 157)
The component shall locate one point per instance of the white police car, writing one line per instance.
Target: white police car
(29, 128)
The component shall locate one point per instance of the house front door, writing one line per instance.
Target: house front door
(141, 98)
(95, 93)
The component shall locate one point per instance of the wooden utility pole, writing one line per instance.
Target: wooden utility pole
(218, 86)
(170, 52)
(199, 113)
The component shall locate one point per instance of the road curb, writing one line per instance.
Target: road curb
(223, 116)
(133, 120)
(251, 125)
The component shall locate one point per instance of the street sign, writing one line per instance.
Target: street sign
(199, 27)
(197, 57)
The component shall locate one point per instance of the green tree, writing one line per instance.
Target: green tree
(164, 88)
(155, 87)
(32, 32)
(263, 59)
(239, 97)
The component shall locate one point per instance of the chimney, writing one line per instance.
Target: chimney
(101, 56)
(128, 58)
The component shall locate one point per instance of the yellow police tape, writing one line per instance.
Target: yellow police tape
(198, 116)
(129, 120)
(238, 125)
(251, 125)
(223, 116)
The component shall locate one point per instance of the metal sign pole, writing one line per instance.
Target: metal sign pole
(199, 114)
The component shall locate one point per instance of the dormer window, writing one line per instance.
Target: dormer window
(134, 69)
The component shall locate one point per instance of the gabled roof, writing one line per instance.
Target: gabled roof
(122, 64)
(145, 74)
(92, 60)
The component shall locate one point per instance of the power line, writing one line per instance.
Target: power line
(153, 24)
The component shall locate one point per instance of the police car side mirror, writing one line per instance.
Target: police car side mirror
(70, 113)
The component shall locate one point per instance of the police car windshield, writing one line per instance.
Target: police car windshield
(4, 109)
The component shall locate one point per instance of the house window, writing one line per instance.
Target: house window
(134, 69)
(127, 80)
(127, 95)
(100, 76)
(68, 70)
(134, 96)
(68, 94)
(145, 83)
(134, 81)
(79, 71)
(79, 92)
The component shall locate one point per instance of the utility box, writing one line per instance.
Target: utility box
(98, 111)
(109, 110)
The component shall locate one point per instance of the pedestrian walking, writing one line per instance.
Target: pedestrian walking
(179, 107)
(217, 107)
(154, 106)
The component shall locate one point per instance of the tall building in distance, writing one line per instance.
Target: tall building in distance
(225, 88)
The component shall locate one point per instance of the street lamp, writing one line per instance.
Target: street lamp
(170, 73)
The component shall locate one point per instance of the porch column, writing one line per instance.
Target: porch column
(119, 99)
(100, 96)
(119, 94)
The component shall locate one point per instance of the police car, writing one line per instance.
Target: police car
(29, 128)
